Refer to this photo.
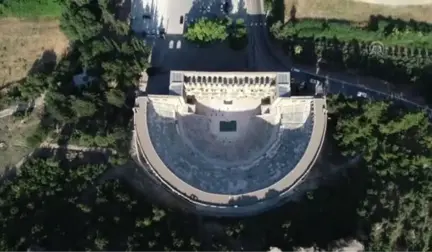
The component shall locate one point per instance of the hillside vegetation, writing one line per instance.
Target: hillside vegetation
(383, 201)
(392, 50)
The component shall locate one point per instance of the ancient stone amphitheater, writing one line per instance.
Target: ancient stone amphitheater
(229, 143)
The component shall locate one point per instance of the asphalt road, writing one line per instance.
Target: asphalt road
(267, 57)
(336, 86)
(175, 53)
(262, 56)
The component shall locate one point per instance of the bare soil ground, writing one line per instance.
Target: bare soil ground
(13, 132)
(354, 11)
(23, 42)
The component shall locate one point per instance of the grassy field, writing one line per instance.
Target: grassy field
(347, 32)
(29, 8)
(13, 132)
(23, 42)
(354, 11)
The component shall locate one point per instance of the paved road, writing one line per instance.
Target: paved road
(351, 89)
(262, 54)
(175, 53)
(266, 56)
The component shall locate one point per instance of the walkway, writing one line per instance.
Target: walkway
(22, 107)
(65, 147)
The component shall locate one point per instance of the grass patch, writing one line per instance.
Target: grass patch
(387, 32)
(24, 44)
(354, 11)
(14, 132)
(30, 8)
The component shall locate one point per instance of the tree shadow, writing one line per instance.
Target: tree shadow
(318, 218)
(123, 9)
(277, 13)
(9, 173)
(293, 13)
(45, 64)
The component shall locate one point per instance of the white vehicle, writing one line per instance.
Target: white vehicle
(362, 94)
(313, 81)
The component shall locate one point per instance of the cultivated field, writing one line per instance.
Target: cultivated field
(354, 11)
(23, 42)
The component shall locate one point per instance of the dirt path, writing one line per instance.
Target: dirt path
(68, 147)
(22, 107)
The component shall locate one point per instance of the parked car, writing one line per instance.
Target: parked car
(362, 94)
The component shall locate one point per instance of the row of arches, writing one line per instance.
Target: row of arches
(229, 80)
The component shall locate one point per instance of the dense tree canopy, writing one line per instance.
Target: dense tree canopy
(59, 206)
(383, 199)
(206, 31)
(397, 149)
(112, 59)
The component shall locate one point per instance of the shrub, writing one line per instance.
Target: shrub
(207, 31)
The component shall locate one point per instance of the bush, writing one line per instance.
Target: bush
(387, 32)
(207, 31)
(37, 137)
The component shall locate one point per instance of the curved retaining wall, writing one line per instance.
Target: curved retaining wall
(217, 204)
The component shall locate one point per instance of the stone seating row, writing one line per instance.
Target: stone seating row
(196, 130)
(296, 112)
(163, 110)
(205, 175)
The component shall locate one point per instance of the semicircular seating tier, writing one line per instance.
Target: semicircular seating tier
(270, 153)
(195, 129)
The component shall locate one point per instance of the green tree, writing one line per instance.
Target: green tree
(207, 31)
(115, 97)
(36, 209)
(84, 108)
(80, 20)
(238, 34)
(34, 85)
(396, 145)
